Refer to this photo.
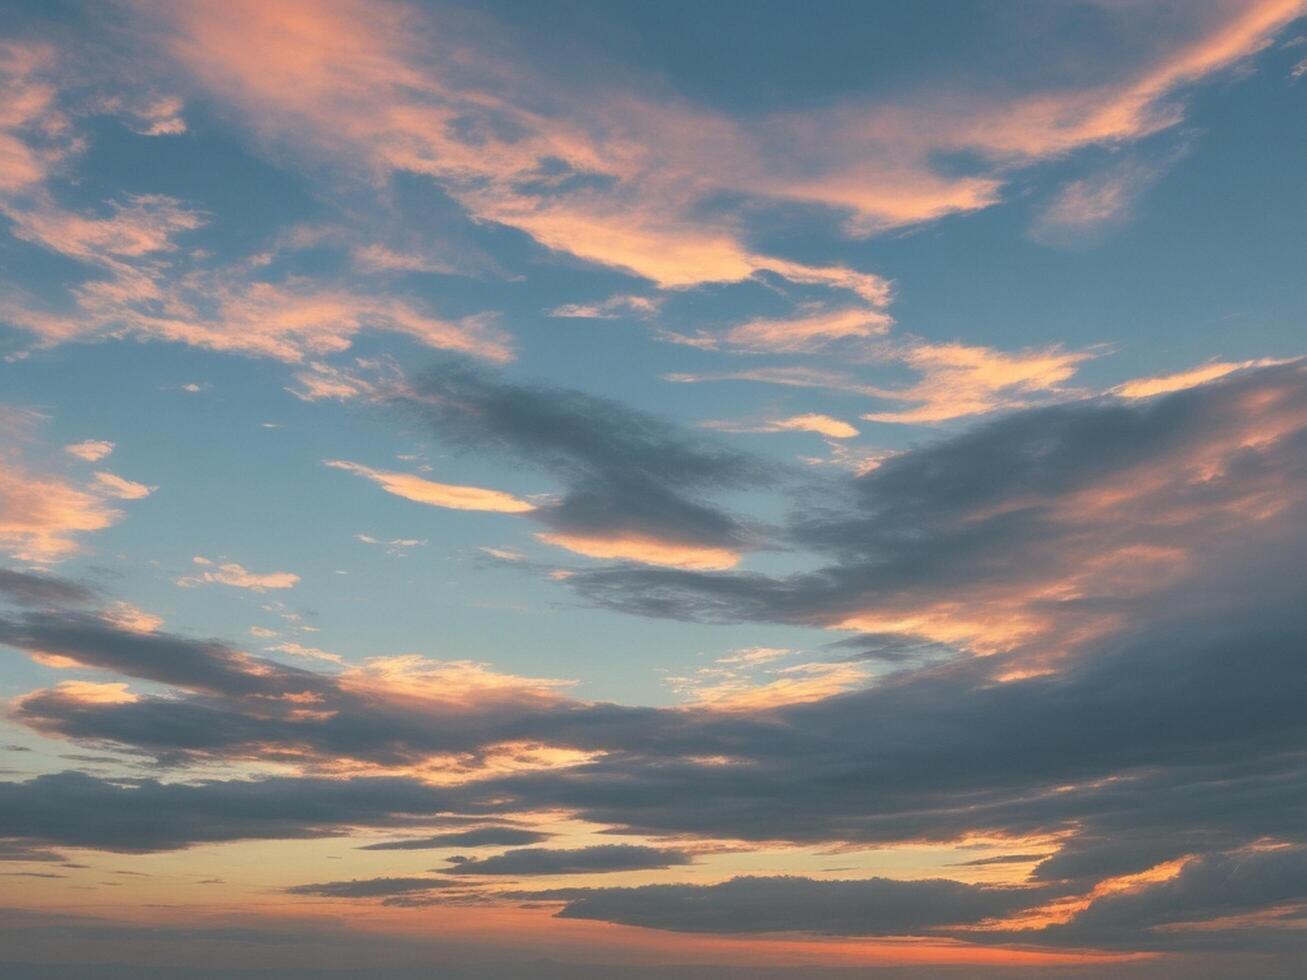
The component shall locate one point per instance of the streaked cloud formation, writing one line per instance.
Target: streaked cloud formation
(760, 491)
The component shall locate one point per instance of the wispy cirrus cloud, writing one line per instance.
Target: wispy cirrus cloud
(610, 309)
(1085, 210)
(824, 425)
(956, 379)
(644, 167)
(1166, 383)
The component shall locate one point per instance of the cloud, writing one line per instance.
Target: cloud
(91, 692)
(139, 816)
(601, 858)
(634, 483)
(1262, 883)
(1116, 582)
(791, 377)
(238, 576)
(476, 837)
(436, 494)
(368, 887)
(809, 331)
(41, 516)
(144, 282)
(309, 653)
(91, 450)
(395, 546)
(729, 688)
(831, 428)
(648, 550)
(960, 380)
(867, 907)
(450, 720)
(115, 486)
(1043, 521)
(1085, 210)
(18, 851)
(1167, 383)
(956, 380)
(616, 177)
(612, 308)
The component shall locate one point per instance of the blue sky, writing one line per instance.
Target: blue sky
(719, 367)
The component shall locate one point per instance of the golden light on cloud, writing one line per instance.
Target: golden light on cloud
(1165, 383)
(809, 331)
(900, 652)
(434, 494)
(41, 516)
(650, 551)
(91, 692)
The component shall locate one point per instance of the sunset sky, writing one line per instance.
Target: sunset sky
(653, 489)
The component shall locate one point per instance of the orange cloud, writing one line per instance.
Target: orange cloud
(821, 424)
(961, 380)
(1164, 383)
(728, 688)
(129, 617)
(449, 683)
(808, 332)
(956, 379)
(651, 551)
(88, 692)
(609, 309)
(436, 494)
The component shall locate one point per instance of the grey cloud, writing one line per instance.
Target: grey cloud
(29, 589)
(998, 859)
(582, 860)
(14, 850)
(867, 907)
(626, 472)
(146, 815)
(990, 513)
(206, 665)
(1270, 884)
(368, 887)
(476, 837)
(1173, 728)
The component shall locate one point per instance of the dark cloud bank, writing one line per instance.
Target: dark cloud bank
(1165, 720)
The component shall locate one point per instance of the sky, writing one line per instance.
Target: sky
(663, 490)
